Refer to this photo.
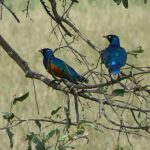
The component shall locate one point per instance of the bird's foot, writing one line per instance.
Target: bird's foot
(122, 74)
(119, 77)
(112, 80)
(56, 81)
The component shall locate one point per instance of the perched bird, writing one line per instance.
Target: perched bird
(114, 57)
(57, 67)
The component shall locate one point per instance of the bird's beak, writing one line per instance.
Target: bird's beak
(40, 50)
(104, 36)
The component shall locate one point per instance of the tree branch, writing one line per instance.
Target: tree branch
(25, 68)
(69, 87)
(13, 14)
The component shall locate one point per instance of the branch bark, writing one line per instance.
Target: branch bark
(13, 14)
(68, 87)
(25, 68)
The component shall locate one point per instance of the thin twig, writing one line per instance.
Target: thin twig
(13, 14)
(37, 106)
(76, 107)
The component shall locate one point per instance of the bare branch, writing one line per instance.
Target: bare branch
(78, 90)
(13, 14)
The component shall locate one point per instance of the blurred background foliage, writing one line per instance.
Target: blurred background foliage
(94, 18)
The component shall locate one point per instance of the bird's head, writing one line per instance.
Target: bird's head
(47, 52)
(113, 39)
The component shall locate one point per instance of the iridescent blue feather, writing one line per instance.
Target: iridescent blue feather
(67, 71)
(114, 57)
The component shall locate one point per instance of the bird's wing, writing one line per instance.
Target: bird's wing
(114, 56)
(122, 57)
(73, 75)
(66, 70)
(106, 57)
(76, 76)
(53, 69)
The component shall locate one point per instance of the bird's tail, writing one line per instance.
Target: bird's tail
(83, 79)
(115, 70)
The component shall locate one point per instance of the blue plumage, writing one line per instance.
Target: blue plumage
(114, 57)
(59, 68)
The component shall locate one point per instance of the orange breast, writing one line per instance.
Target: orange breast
(55, 70)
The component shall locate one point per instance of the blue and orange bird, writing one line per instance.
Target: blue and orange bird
(114, 57)
(57, 67)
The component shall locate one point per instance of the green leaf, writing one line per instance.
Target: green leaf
(117, 1)
(10, 135)
(39, 145)
(118, 92)
(137, 51)
(81, 127)
(118, 147)
(80, 131)
(21, 98)
(29, 138)
(32, 137)
(125, 3)
(75, 1)
(29, 146)
(56, 110)
(50, 134)
(71, 137)
(38, 124)
(145, 1)
(57, 132)
(63, 137)
(8, 115)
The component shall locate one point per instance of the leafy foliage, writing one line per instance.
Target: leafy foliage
(124, 2)
(8, 115)
(136, 52)
(63, 138)
(55, 111)
(20, 98)
(10, 135)
(38, 124)
(145, 1)
(63, 142)
(118, 92)
(39, 144)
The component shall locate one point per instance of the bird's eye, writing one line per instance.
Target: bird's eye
(109, 37)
